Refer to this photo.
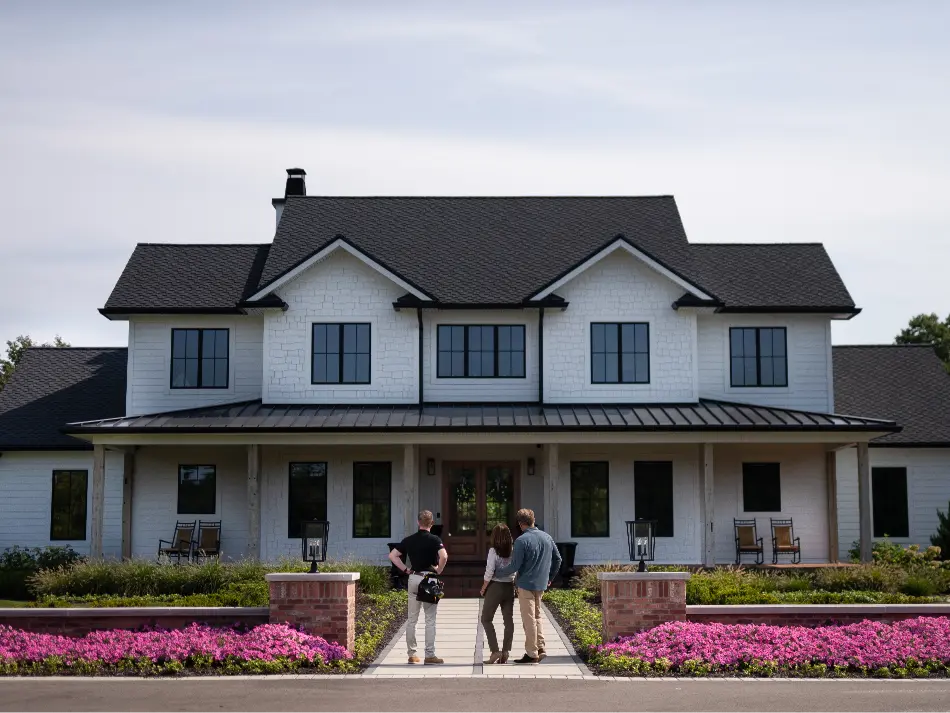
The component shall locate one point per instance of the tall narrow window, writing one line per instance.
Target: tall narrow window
(481, 351)
(199, 359)
(196, 490)
(68, 517)
(372, 499)
(620, 352)
(889, 502)
(306, 495)
(590, 500)
(758, 356)
(341, 354)
(761, 487)
(653, 494)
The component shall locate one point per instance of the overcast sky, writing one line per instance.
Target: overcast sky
(123, 122)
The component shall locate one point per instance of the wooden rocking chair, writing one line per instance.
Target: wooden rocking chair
(747, 541)
(180, 545)
(784, 541)
(209, 540)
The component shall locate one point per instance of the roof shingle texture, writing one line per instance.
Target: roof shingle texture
(52, 387)
(907, 384)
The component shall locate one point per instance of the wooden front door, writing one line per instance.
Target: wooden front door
(476, 496)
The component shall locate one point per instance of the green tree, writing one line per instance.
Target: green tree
(941, 538)
(15, 349)
(928, 329)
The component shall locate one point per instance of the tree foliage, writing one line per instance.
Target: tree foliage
(15, 350)
(928, 329)
(941, 538)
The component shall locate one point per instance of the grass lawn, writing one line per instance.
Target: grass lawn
(7, 603)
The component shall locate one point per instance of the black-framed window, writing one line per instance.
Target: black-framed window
(196, 489)
(653, 494)
(479, 351)
(889, 502)
(372, 499)
(306, 495)
(758, 356)
(620, 353)
(590, 499)
(341, 353)
(68, 511)
(761, 487)
(199, 359)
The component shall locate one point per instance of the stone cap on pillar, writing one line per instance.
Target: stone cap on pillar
(641, 576)
(312, 577)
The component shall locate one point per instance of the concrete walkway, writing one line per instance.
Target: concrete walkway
(460, 642)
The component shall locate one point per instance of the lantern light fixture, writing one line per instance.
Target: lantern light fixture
(314, 539)
(641, 539)
(530, 466)
(430, 466)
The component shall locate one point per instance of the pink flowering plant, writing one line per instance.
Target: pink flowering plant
(910, 648)
(270, 648)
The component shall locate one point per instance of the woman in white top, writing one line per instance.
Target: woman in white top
(499, 592)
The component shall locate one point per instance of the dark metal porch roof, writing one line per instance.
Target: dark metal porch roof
(704, 415)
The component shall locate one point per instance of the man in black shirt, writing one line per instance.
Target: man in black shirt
(425, 553)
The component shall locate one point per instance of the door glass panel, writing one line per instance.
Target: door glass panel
(463, 503)
(499, 497)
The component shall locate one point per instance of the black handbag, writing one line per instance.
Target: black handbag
(431, 590)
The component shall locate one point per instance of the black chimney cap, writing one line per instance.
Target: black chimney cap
(296, 172)
(296, 182)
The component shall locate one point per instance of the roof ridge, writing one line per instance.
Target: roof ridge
(750, 244)
(478, 198)
(205, 245)
(879, 346)
(72, 348)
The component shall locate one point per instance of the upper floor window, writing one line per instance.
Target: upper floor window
(481, 351)
(199, 359)
(341, 353)
(620, 352)
(758, 356)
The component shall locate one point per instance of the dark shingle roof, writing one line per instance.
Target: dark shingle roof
(186, 277)
(477, 251)
(704, 415)
(905, 383)
(770, 275)
(52, 387)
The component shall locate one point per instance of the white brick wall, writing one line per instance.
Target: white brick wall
(808, 339)
(155, 496)
(26, 482)
(341, 289)
(928, 485)
(437, 389)
(804, 497)
(149, 375)
(619, 288)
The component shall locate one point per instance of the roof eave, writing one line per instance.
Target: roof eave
(835, 312)
(120, 312)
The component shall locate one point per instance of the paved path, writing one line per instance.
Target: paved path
(356, 693)
(460, 641)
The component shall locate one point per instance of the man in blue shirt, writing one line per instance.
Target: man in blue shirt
(536, 561)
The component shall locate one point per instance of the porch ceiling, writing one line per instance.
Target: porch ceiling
(703, 416)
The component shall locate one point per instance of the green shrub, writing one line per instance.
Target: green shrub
(373, 579)
(18, 564)
(377, 618)
(941, 538)
(919, 586)
(587, 575)
(889, 553)
(863, 578)
(581, 619)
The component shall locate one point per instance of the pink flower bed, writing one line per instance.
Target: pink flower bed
(210, 646)
(867, 646)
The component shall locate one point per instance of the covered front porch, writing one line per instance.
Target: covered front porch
(584, 471)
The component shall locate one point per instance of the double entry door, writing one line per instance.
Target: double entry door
(476, 496)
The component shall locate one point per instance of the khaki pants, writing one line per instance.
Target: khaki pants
(530, 603)
(429, 608)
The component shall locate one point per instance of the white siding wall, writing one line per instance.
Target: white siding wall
(437, 389)
(928, 485)
(619, 288)
(341, 289)
(149, 375)
(274, 493)
(810, 383)
(155, 496)
(685, 545)
(804, 497)
(26, 482)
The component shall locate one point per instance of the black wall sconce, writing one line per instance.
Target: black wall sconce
(530, 466)
(430, 466)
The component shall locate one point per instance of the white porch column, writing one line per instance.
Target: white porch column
(128, 476)
(252, 549)
(864, 501)
(410, 475)
(709, 505)
(552, 477)
(98, 500)
(831, 466)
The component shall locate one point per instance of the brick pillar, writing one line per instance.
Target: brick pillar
(633, 601)
(323, 604)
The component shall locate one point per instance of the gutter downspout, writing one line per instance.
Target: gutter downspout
(421, 390)
(541, 356)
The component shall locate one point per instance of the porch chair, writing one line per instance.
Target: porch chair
(208, 544)
(748, 541)
(784, 541)
(181, 543)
